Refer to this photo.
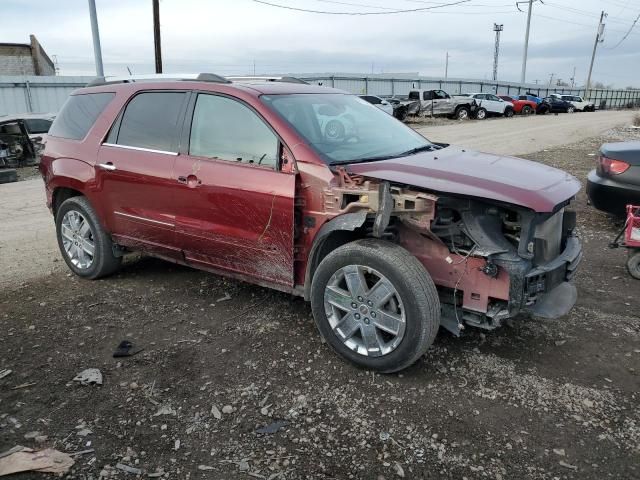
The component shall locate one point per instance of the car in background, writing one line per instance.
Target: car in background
(524, 107)
(615, 182)
(530, 96)
(381, 103)
(558, 105)
(490, 104)
(22, 138)
(580, 104)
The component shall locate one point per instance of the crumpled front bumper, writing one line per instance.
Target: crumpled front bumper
(547, 289)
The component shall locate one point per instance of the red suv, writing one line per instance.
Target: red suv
(315, 192)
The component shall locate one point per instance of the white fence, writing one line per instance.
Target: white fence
(47, 94)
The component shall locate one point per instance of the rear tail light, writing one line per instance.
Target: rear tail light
(609, 166)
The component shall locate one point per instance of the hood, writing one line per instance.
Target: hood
(483, 175)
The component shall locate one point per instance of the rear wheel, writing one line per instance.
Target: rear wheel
(481, 113)
(571, 109)
(85, 246)
(633, 264)
(527, 110)
(508, 112)
(375, 304)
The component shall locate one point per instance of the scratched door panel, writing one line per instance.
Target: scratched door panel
(236, 217)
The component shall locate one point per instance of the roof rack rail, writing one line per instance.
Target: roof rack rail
(199, 77)
(266, 78)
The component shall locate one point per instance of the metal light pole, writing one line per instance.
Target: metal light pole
(496, 53)
(599, 39)
(156, 35)
(446, 66)
(97, 50)
(526, 44)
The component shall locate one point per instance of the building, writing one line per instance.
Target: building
(25, 59)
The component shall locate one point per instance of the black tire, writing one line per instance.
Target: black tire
(461, 113)
(633, 264)
(527, 110)
(571, 109)
(481, 113)
(104, 262)
(413, 285)
(508, 112)
(400, 113)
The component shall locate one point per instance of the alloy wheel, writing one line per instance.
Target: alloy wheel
(77, 239)
(364, 310)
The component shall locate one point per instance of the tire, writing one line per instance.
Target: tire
(571, 109)
(633, 263)
(481, 113)
(400, 114)
(77, 228)
(527, 110)
(461, 113)
(375, 267)
(508, 112)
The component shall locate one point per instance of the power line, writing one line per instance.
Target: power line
(324, 12)
(626, 34)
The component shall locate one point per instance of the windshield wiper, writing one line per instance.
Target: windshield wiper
(413, 151)
(423, 148)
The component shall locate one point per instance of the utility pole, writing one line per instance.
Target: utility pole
(156, 35)
(599, 39)
(97, 50)
(446, 66)
(496, 52)
(551, 79)
(573, 78)
(526, 44)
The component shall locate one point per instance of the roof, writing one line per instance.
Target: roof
(9, 44)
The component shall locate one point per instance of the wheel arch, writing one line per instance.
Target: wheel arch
(333, 234)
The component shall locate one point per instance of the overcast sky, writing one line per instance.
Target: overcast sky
(227, 36)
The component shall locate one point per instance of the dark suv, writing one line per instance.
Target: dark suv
(315, 192)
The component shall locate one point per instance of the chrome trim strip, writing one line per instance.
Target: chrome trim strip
(139, 149)
(135, 217)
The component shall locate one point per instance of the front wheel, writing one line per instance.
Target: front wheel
(85, 246)
(461, 113)
(571, 109)
(633, 264)
(481, 113)
(375, 304)
(527, 110)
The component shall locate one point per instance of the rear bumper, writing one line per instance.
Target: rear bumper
(610, 196)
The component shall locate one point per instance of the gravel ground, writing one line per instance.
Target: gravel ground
(223, 359)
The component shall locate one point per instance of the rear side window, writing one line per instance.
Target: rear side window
(78, 115)
(151, 121)
(37, 125)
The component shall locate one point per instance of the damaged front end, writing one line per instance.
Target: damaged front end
(490, 261)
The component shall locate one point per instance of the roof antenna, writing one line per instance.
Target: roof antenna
(129, 70)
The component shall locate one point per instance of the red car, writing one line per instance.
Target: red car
(524, 107)
(312, 191)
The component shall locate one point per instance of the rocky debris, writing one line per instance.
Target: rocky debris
(128, 469)
(89, 376)
(21, 459)
(215, 412)
(4, 373)
(165, 410)
(227, 409)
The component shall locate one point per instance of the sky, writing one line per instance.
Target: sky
(245, 36)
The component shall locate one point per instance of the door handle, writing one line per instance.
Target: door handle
(107, 166)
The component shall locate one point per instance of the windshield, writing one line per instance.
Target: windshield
(345, 129)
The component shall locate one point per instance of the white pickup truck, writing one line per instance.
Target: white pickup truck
(436, 103)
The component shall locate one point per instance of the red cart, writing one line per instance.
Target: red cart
(631, 232)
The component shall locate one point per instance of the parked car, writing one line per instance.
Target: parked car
(524, 107)
(381, 103)
(615, 182)
(557, 105)
(22, 138)
(530, 96)
(580, 104)
(389, 235)
(438, 103)
(489, 104)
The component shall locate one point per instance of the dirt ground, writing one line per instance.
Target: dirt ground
(222, 359)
